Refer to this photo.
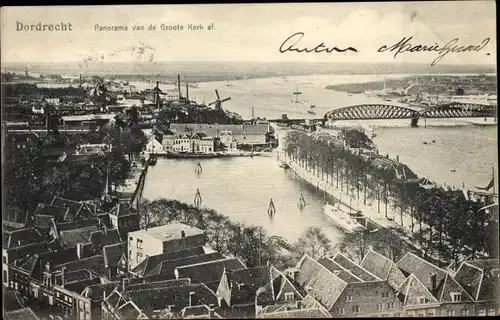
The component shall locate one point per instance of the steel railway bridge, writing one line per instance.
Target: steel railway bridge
(384, 111)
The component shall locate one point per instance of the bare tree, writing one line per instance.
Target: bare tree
(314, 243)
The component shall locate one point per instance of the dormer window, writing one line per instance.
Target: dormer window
(348, 298)
(289, 296)
(423, 300)
(456, 296)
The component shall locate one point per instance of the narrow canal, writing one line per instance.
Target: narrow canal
(241, 188)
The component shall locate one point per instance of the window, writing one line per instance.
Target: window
(139, 257)
(411, 314)
(379, 307)
(355, 309)
(4, 259)
(450, 313)
(288, 296)
(481, 312)
(5, 276)
(431, 312)
(139, 243)
(423, 300)
(130, 241)
(348, 298)
(456, 296)
(464, 312)
(390, 306)
(340, 311)
(130, 254)
(491, 312)
(421, 314)
(385, 294)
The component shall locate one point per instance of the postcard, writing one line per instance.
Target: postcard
(305, 160)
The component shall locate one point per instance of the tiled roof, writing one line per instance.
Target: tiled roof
(246, 282)
(480, 283)
(96, 291)
(383, 268)
(412, 290)
(177, 297)
(122, 209)
(35, 264)
(129, 311)
(113, 252)
(168, 267)
(412, 264)
(43, 221)
(74, 206)
(72, 237)
(209, 271)
(452, 286)
(154, 261)
(59, 213)
(80, 223)
(21, 314)
(377, 264)
(94, 264)
(199, 312)
(99, 238)
(321, 283)
(21, 237)
(149, 285)
(485, 263)
(297, 314)
(354, 268)
(339, 271)
(73, 276)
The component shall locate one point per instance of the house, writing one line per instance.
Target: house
(162, 239)
(115, 260)
(18, 244)
(479, 278)
(167, 268)
(83, 120)
(151, 263)
(227, 139)
(124, 218)
(164, 301)
(154, 146)
(245, 134)
(283, 313)
(194, 142)
(93, 149)
(210, 272)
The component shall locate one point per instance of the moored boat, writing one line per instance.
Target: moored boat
(341, 218)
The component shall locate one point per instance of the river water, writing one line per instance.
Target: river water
(241, 188)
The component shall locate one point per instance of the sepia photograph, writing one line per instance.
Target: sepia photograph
(227, 161)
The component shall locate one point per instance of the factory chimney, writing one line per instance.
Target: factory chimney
(187, 94)
(179, 84)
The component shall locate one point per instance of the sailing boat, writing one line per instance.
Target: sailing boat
(296, 93)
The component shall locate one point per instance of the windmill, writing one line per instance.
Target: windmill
(218, 102)
(156, 94)
(99, 94)
(296, 93)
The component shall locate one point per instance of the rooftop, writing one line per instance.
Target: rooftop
(168, 232)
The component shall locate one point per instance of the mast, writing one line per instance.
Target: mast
(493, 178)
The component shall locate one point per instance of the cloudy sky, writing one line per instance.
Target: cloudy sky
(251, 32)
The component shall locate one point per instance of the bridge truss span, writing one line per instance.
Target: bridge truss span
(459, 110)
(371, 112)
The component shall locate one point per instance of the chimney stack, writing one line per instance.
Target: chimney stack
(179, 84)
(433, 282)
(187, 93)
(125, 284)
(299, 304)
(183, 234)
(190, 298)
(397, 158)
(211, 313)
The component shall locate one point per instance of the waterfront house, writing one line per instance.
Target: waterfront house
(162, 239)
(193, 142)
(93, 149)
(244, 134)
(154, 146)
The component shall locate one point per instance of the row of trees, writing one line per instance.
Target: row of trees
(448, 223)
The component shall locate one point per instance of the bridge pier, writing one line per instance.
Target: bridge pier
(414, 122)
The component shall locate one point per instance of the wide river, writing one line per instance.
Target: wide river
(241, 188)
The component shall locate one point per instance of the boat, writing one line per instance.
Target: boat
(284, 165)
(341, 218)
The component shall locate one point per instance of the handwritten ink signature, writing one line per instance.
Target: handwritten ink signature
(290, 43)
(404, 46)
